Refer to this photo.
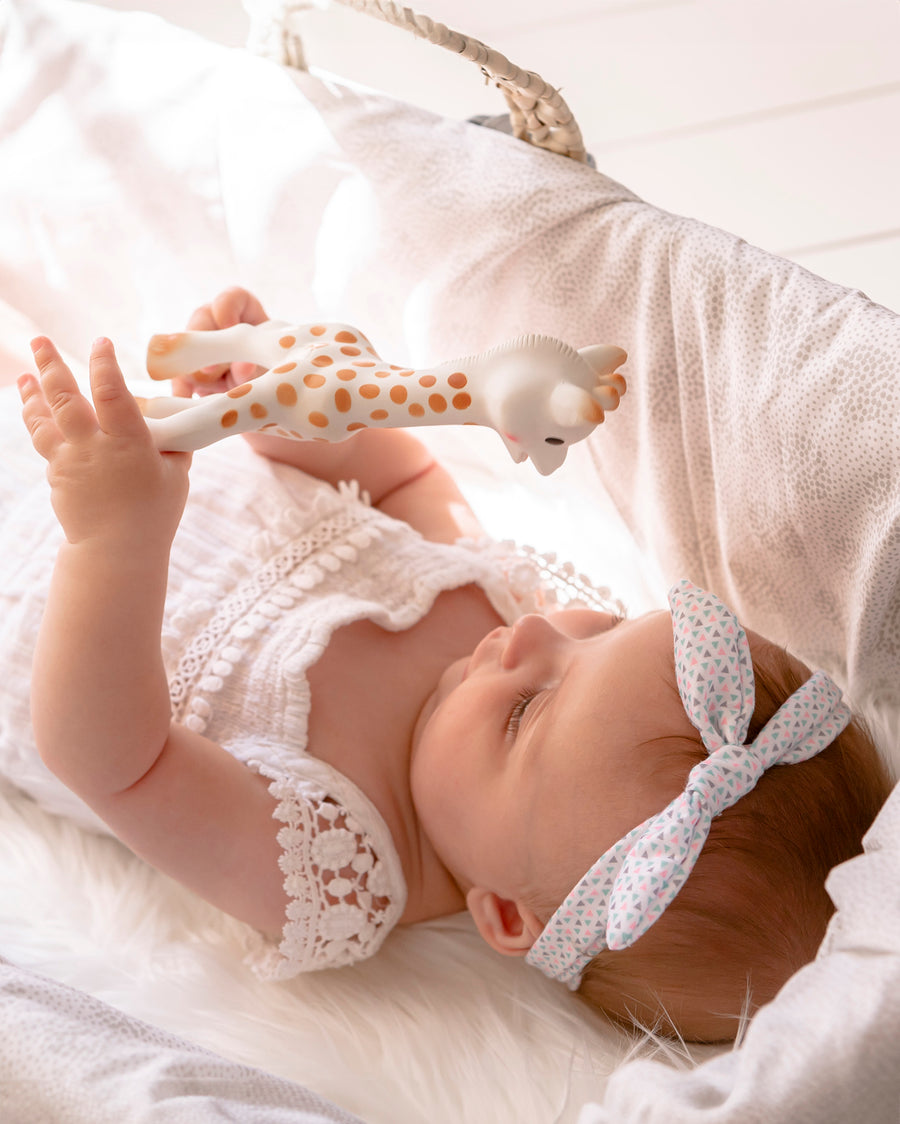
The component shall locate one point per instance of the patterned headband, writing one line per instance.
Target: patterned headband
(629, 886)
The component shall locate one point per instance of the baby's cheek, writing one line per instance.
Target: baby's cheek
(451, 679)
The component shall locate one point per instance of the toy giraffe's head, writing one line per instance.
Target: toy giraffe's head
(543, 396)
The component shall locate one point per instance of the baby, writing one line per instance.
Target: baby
(321, 706)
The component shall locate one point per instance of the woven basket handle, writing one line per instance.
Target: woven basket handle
(538, 113)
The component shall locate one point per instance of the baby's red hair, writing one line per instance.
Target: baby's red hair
(754, 910)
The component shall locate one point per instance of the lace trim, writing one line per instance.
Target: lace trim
(295, 568)
(346, 889)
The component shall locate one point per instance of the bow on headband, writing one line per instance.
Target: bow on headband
(629, 886)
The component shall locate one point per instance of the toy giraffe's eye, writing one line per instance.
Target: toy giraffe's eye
(554, 441)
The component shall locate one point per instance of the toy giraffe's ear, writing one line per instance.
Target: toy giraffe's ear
(571, 406)
(603, 358)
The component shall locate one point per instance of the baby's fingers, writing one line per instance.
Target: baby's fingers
(117, 412)
(44, 433)
(231, 306)
(68, 407)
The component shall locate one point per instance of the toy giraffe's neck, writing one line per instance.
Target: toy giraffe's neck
(451, 393)
(447, 394)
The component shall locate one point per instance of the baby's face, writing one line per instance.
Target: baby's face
(531, 757)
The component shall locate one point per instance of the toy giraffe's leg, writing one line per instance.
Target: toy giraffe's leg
(183, 425)
(184, 352)
(163, 407)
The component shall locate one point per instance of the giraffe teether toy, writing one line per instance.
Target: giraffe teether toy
(325, 382)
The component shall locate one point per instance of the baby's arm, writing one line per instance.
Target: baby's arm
(98, 670)
(394, 467)
(100, 699)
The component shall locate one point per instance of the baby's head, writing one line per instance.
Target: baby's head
(595, 740)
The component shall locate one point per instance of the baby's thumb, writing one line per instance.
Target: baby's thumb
(117, 411)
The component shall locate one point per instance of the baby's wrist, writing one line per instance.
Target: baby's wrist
(124, 550)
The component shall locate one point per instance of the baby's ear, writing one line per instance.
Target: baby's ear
(507, 926)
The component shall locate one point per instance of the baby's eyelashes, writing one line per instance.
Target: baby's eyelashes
(523, 701)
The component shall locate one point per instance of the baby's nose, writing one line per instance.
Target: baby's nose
(529, 636)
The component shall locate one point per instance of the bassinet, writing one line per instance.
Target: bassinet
(758, 455)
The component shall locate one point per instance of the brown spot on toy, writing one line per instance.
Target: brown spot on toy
(157, 350)
(350, 351)
(378, 415)
(345, 337)
(368, 390)
(363, 363)
(317, 330)
(311, 380)
(322, 361)
(288, 341)
(284, 368)
(437, 402)
(462, 401)
(342, 399)
(416, 410)
(427, 380)
(353, 426)
(162, 345)
(317, 419)
(258, 410)
(229, 418)
(398, 394)
(240, 391)
(457, 380)
(286, 394)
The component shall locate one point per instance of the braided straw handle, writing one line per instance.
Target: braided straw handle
(538, 113)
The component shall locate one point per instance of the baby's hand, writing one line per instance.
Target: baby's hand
(108, 482)
(233, 306)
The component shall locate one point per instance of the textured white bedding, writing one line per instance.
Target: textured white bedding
(757, 452)
(65, 1056)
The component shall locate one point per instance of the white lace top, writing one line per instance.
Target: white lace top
(266, 565)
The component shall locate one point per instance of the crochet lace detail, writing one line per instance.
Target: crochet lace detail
(343, 892)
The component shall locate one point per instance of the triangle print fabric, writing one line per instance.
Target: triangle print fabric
(629, 887)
